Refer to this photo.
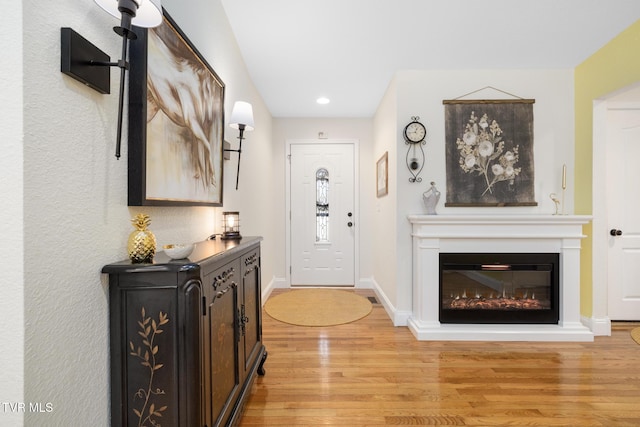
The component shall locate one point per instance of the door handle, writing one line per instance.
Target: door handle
(615, 232)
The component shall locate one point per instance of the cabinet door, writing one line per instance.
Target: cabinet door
(250, 310)
(153, 382)
(221, 370)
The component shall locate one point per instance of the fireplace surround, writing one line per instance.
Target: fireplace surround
(434, 235)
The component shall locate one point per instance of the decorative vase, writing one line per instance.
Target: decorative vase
(431, 198)
(142, 243)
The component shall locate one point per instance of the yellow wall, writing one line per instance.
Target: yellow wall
(614, 66)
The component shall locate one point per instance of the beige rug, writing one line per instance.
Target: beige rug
(317, 307)
(635, 334)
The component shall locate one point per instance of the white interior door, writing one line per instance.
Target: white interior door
(322, 226)
(623, 202)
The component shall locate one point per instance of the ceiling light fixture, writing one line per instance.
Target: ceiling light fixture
(323, 100)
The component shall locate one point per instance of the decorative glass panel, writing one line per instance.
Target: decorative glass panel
(322, 205)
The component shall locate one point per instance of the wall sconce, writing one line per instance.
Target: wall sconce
(231, 225)
(241, 119)
(86, 63)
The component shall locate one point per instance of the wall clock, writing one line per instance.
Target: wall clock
(415, 131)
(414, 136)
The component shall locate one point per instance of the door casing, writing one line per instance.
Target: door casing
(600, 322)
(356, 201)
(623, 146)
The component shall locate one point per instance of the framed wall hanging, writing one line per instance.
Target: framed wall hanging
(489, 152)
(382, 175)
(176, 121)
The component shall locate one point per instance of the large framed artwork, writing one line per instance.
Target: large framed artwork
(176, 121)
(489, 152)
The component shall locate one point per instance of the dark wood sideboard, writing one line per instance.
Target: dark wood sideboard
(186, 336)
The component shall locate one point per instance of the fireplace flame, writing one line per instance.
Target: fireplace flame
(494, 302)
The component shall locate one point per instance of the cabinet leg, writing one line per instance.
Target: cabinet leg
(261, 366)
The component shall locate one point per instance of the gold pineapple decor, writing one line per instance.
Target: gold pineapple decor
(142, 243)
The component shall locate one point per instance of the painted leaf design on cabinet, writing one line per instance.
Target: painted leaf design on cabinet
(149, 328)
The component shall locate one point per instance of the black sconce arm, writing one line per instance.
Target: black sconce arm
(241, 128)
(124, 66)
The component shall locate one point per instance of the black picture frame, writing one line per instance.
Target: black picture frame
(176, 121)
(489, 153)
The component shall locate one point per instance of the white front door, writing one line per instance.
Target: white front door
(623, 202)
(323, 219)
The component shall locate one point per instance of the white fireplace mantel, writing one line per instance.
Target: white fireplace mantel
(433, 234)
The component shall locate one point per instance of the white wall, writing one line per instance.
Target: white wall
(76, 216)
(349, 128)
(420, 93)
(11, 215)
(212, 34)
(384, 229)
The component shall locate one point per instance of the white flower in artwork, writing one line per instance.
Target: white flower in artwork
(469, 138)
(481, 150)
(485, 148)
(470, 161)
(508, 156)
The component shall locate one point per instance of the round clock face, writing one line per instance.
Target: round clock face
(415, 132)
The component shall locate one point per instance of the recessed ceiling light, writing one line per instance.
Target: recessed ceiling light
(323, 100)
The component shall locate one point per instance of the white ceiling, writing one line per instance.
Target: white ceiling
(348, 50)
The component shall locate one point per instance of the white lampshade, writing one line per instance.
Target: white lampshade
(242, 114)
(148, 15)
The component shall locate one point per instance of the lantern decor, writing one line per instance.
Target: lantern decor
(231, 225)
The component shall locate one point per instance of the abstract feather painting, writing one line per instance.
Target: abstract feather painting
(178, 119)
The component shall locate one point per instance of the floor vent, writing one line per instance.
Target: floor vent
(373, 300)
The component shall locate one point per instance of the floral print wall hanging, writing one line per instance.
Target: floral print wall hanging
(489, 152)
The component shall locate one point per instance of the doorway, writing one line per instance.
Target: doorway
(322, 213)
(623, 203)
(616, 236)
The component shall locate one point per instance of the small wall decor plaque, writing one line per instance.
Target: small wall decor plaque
(382, 177)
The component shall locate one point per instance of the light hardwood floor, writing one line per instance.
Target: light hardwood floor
(370, 373)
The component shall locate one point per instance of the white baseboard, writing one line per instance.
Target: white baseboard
(599, 326)
(399, 318)
(273, 284)
(366, 283)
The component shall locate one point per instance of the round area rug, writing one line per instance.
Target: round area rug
(317, 307)
(635, 334)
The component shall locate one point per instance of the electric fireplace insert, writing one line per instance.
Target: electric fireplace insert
(499, 288)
